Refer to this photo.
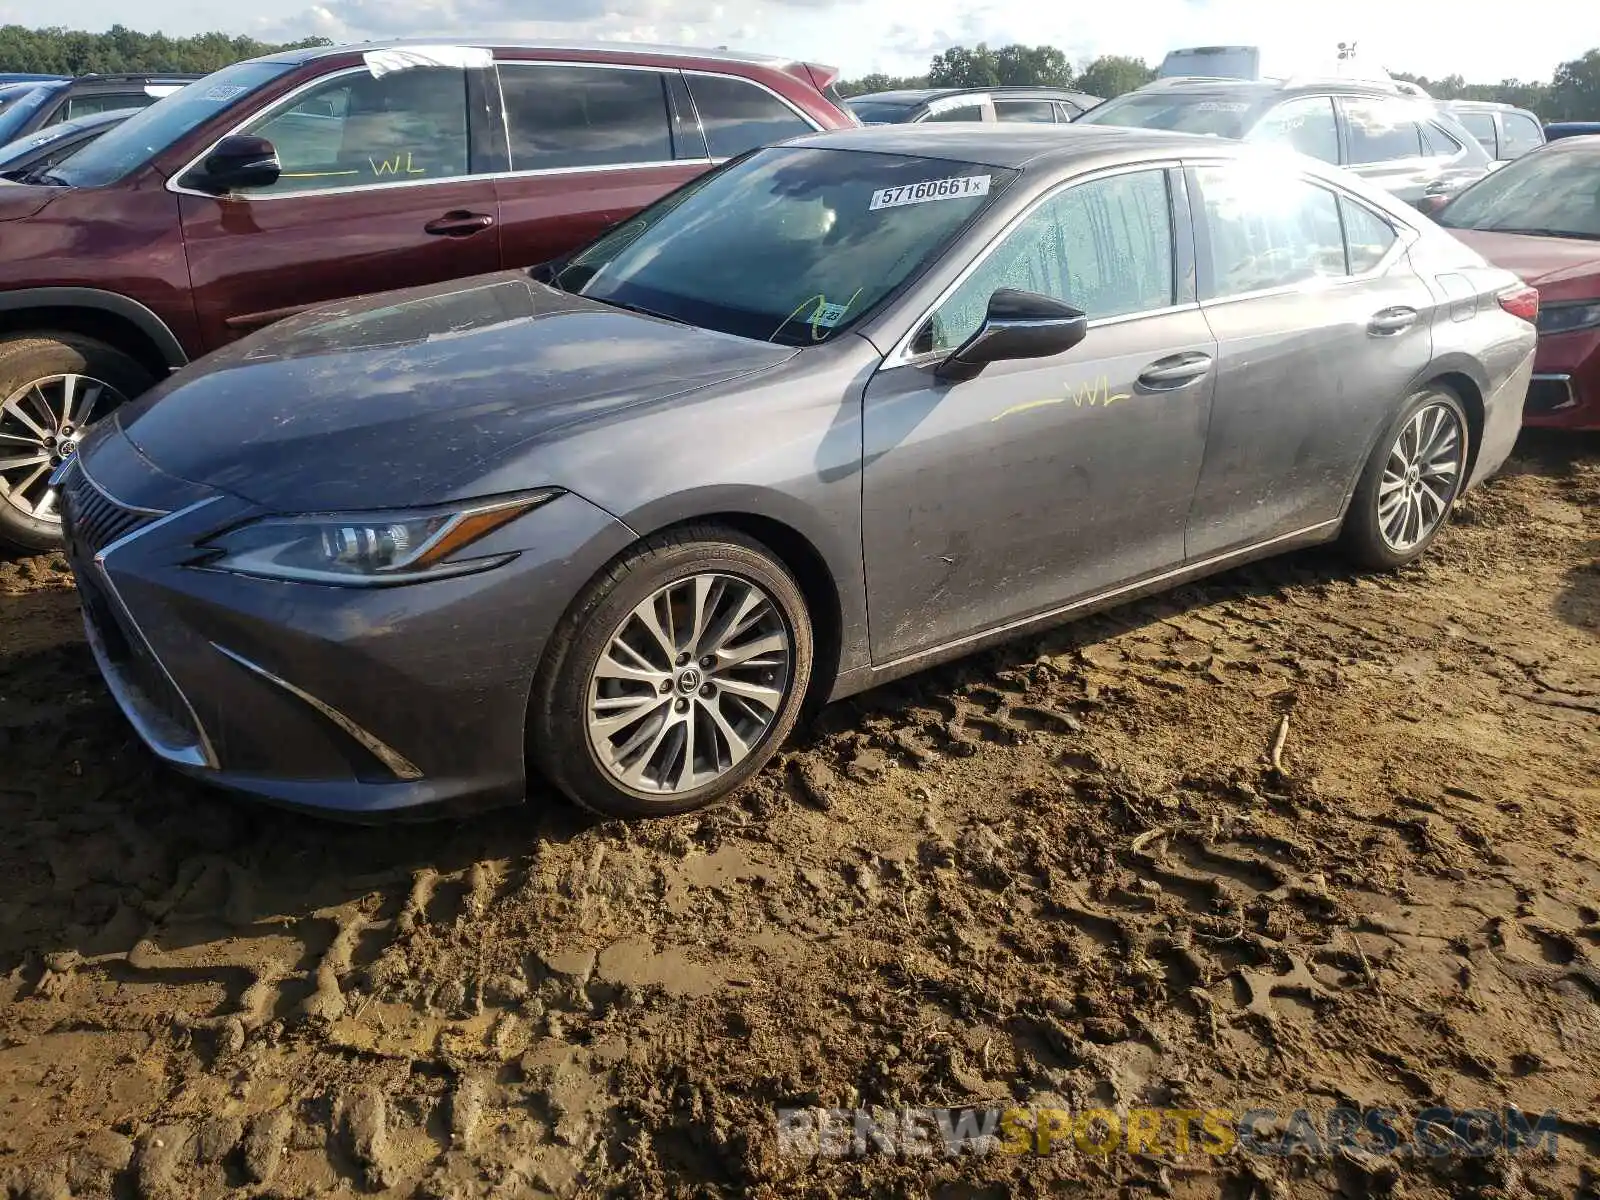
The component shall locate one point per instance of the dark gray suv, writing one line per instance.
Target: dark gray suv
(1406, 145)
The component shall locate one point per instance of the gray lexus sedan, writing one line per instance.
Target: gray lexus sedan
(840, 409)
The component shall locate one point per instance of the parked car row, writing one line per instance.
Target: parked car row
(32, 105)
(687, 430)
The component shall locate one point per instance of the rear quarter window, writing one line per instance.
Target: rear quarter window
(739, 115)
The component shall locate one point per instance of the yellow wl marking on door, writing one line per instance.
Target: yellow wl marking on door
(400, 164)
(1094, 393)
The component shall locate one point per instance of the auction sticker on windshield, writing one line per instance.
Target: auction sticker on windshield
(933, 189)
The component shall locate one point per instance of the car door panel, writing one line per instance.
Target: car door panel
(1041, 481)
(376, 193)
(1307, 374)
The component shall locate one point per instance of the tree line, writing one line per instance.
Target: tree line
(74, 52)
(1571, 94)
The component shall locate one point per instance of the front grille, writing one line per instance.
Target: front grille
(91, 518)
(1549, 395)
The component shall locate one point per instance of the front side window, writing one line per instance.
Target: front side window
(354, 130)
(737, 115)
(1481, 126)
(1268, 229)
(1380, 131)
(1522, 134)
(577, 116)
(1038, 112)
(790, 245)
(1305, 125)
(1104, 247)
(1549, 194)
(157, 128)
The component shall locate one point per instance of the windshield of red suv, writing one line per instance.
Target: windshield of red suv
(791, 245)
(140, 138)
(1548, 193)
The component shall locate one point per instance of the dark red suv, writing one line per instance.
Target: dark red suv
(287, 181)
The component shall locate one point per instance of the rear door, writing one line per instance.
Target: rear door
(1321, 327)
(378, 191)
(590, 144)
(1386, 143)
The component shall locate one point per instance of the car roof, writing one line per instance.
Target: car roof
(1486, 106)
(913, 96)
(633, 49)
(1016, 146)
(1261, 89)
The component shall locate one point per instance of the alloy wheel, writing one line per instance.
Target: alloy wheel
(689, 684)
(41, 424)
(1420, 477)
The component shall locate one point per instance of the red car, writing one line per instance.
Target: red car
(307, 176)
(1540, 217)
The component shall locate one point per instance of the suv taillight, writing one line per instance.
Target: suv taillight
(1521, 301)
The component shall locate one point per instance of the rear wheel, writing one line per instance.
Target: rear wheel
(53, 387)
(674, 677)
(1414, 475)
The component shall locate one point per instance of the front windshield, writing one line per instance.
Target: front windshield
(1553, 193)
(16, 107)
(140, 138)
(792, 245)
(1221, 115)
(880, 112)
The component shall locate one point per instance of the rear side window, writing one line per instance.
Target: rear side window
(1481, 126)
(966, 111)
(1367, 237)
(1380, 131)
(580, 116)
(1066, 110)
(403, 127)
(1268, 229)
(737, 115)
(1436, 143)
(1038, 112)
(87, 106)
(1305, 125)
(1522, 135)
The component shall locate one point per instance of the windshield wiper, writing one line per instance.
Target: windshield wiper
(1539, 232)
(634, 308)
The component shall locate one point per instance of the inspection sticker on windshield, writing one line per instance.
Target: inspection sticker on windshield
(933, 189)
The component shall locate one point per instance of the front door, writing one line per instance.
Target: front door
(1045, 480)
(377, 192)
(1321, 327)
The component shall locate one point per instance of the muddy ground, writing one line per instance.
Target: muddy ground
(1065, 873)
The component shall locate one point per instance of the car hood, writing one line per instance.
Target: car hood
(18, 200)
(1561, 268)
(411, 397)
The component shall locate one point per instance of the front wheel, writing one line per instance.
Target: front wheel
(674, 677)
(53, 387)
(1416, 472)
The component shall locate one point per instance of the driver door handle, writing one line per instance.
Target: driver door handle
(1392, 320)
(458, 224)
(1175, 371)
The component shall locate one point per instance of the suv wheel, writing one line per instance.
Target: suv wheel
(674, 677)
(53, 387)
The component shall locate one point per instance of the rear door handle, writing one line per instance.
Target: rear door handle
(1175, 371)
(1437, 188)
(1392, 320)
(458, 224)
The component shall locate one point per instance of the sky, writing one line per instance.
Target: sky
(899, 36)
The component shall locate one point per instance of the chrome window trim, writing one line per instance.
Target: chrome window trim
(901, 356)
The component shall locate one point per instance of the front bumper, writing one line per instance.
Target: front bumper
(1566, 383)
(355, 701)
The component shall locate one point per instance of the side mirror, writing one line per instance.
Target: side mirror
(1017, 325)
(1432, 206)
(240, 160)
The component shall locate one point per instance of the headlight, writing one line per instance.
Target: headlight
(1568, 318)
(367, 549)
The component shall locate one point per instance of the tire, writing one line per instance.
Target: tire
(579, 719)
(1369, 533)
(33, 368)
